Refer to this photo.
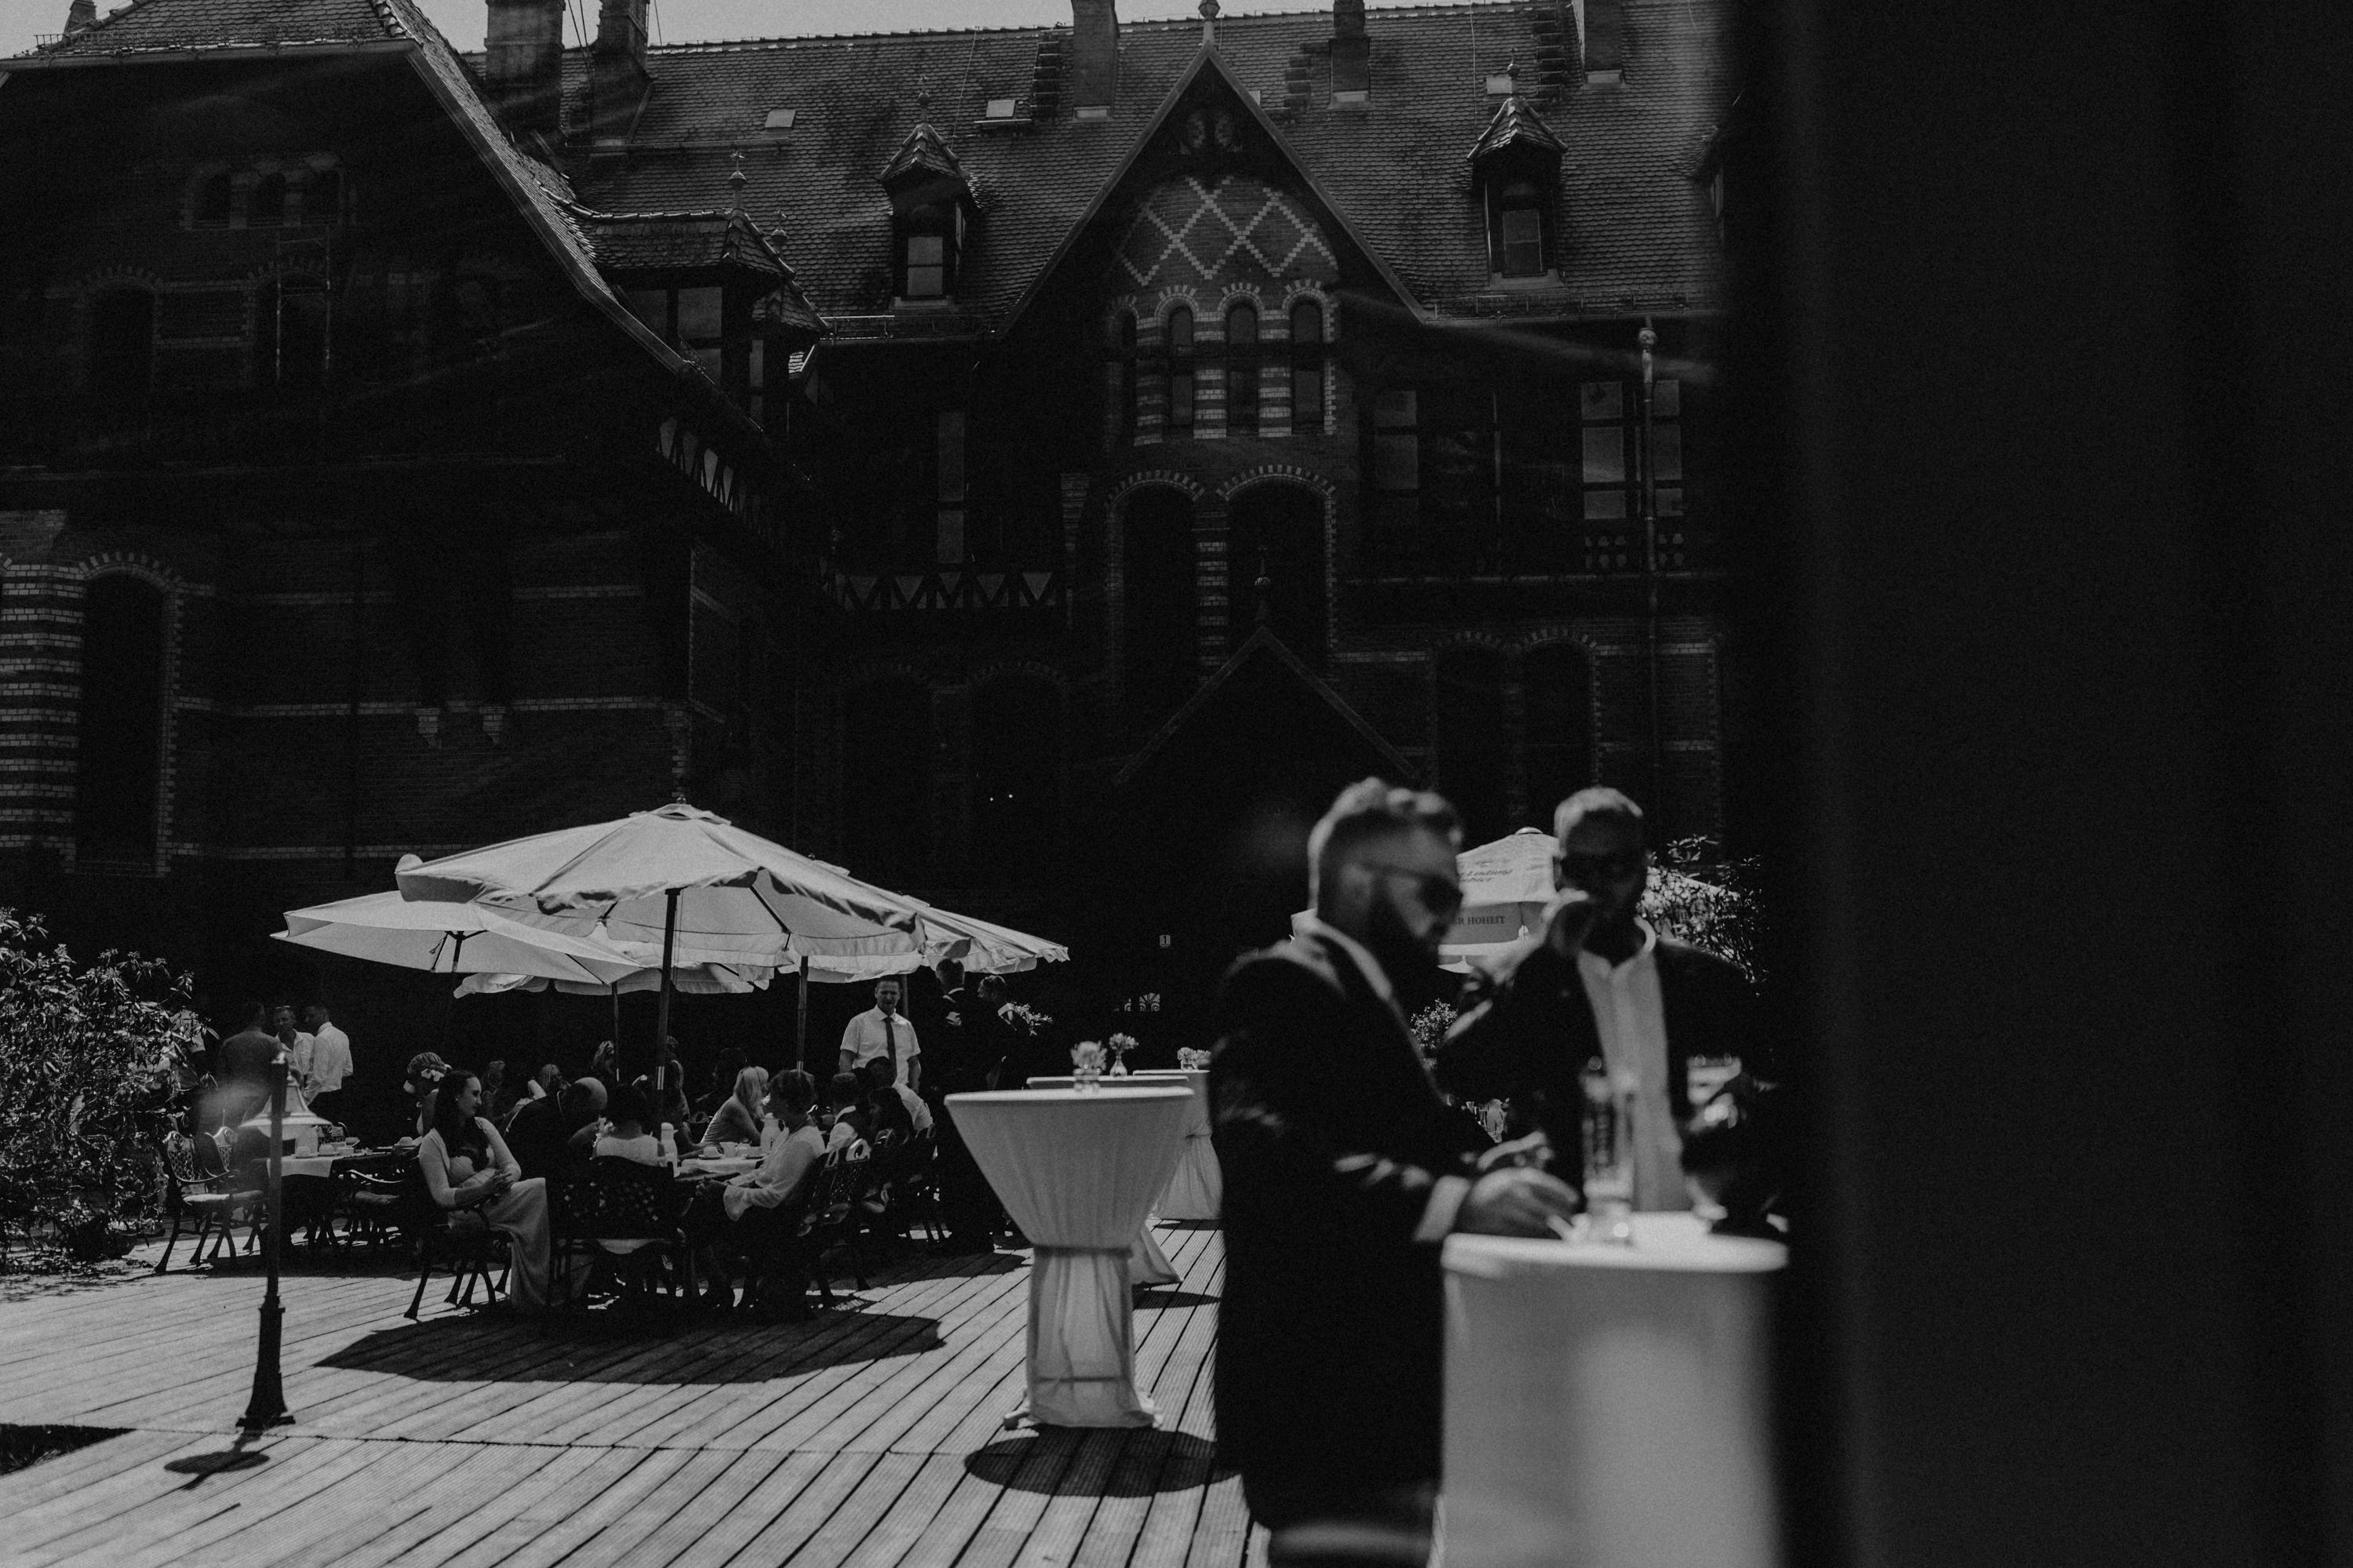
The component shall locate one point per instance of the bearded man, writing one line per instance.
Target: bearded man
(1342, 1172)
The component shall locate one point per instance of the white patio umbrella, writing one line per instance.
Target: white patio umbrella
(1506, 888)
(684, 878)
(690, 979)
(447, 938)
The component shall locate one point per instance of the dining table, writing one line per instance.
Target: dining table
(1078, 1171)
(1149, 1261)
(1607, 1404)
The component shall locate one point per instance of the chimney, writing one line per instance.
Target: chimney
(1093, 67)
(523, 63)
(1603, 28)
(616, 68)
(1352, 53)
(79, 15)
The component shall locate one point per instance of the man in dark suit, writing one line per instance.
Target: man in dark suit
(963, 1053)
(555, 1137)
(1343, 1171)
(243, 1071)
(1600, 984)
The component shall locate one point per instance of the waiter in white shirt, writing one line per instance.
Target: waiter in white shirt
(883, 1031)
(330, 1061)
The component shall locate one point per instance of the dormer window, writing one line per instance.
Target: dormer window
(1515, 165)
(930, 201)
(1519, 230)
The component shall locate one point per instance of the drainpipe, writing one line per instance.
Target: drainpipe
(351, 714)
(1648, 339)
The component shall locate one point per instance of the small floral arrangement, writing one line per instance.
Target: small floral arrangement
(1119, 1046)
(1024, 1018)
(1428, 1027)
(1192, 1060)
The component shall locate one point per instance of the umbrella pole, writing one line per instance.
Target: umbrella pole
(661, 1024)
(800, 1039)
(613, 986)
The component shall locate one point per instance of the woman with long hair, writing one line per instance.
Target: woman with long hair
(737, 1119)
(468, 1171)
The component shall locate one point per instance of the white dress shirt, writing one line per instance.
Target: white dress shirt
(869, 1036)
(783, 1169)
(330, 1060)
(1447, 1193)
(298, 1061)
(1631, 1019)
(917, 1111)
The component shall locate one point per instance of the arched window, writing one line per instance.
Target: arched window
(1558, 687)
(123, 345)
(267, 207)
(120, 759)
(1307, 368)
(215, 198)
(1468, 740)
(886, 780)
(1277, 530)
(1157, 590)
(1519, 229)
(322, 197)
(1121, 349)
(290, 344)
(1179, 351)
(1017, 776)
(1242, 368)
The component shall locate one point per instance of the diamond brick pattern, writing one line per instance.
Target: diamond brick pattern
(1188, 232)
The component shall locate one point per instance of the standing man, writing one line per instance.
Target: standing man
(244, 1072)
(296, 1047)
(1600, 983)
(967, 1056)
(881, 1031)
(1343, 1170)
(331, 1062)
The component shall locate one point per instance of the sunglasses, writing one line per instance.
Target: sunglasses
(1439, 895)
(1610, 865)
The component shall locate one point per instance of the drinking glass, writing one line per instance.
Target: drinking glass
(1608, 1126)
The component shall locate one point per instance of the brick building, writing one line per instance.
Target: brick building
(1206, 413)
(345, 510)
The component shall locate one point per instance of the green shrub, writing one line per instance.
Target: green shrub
(87, 1062)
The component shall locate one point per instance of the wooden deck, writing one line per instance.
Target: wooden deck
(869, 1437)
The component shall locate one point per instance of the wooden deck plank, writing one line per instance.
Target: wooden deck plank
(494, 1484)
(789, 1527)
(871, 1437)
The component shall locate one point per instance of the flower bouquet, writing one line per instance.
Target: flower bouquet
(1120, 1045)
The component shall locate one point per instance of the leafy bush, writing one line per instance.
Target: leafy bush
(1698, 898)
(87, 1063)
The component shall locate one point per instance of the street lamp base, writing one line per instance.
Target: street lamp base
(268, 1405)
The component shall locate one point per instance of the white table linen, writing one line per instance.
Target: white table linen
(1608, 1405)
(1196, 1186)
(1078, 1173)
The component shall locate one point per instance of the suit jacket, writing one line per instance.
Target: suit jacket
(1331, 1139)
(1528, 1032)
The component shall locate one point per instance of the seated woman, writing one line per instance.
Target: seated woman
(737, 1119)
(468, 1169)
(628, 1134)
(757, 1215)
(850, 1121)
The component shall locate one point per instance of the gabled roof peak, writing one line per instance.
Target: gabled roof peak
(924, 153)
(1515, 125)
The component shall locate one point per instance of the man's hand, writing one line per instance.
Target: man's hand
(1569, 920)
(1533, 1151)
(1515, 1202)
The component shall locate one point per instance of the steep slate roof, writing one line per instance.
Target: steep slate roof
(146, 25)
(1638, 233)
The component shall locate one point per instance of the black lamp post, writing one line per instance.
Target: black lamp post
(268, 1405)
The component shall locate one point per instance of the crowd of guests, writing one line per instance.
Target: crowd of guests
(501, 1151)
(230, 1082)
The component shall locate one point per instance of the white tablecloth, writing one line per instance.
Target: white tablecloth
(1196, 1187)
(1078, 1173)
(1607, 1406)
